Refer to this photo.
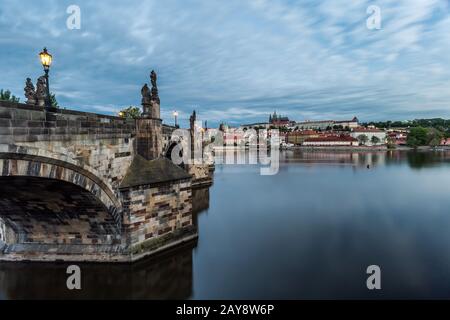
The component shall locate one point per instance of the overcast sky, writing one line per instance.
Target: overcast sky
(237, 60)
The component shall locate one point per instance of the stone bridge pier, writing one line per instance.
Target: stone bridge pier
(77, 186)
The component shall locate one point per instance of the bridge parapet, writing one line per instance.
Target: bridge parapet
(119, 161)
(100, 144)
(24, 123)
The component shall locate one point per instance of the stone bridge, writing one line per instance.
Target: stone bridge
(77, 186)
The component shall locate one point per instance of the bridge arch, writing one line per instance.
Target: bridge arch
(37, 211)
(30, 165)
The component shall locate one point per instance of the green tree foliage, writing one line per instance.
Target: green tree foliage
(391, 143)
(362, 138)
(131, 112)
(434, 137)
(418, 137)
(7, 96)
(53, 101)
(375, 140)
(438, 123)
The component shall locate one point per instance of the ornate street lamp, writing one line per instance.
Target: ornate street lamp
(46, 60)
(175, 114)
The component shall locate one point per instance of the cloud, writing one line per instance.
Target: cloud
(236, 61)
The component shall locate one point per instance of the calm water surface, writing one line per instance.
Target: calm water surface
(308, 232)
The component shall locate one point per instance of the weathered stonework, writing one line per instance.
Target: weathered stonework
(100, 144)
(154, 216)
(157, 201)
(39, 215)
(201, 173)
(114, 222)
(149, 140)
(79, 186)
(19, 165)
(153, 211)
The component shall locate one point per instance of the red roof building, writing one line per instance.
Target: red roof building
(343, 140)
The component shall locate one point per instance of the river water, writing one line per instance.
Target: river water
(308, 232)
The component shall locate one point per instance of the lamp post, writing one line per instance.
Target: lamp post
(175, 114)
(46, 60)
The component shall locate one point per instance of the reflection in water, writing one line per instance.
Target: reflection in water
(200, 200)
(418, 160)
(415, 159)
(164, 277)
(311, 230)
(200, 203)
(308, 232)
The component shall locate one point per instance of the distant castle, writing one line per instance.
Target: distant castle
(278, 120)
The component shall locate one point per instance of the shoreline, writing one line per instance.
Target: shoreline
(343, 148)
(367, 148)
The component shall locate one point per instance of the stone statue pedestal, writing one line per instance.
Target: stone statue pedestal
(151, 110)
(149, 142)
(146, 110)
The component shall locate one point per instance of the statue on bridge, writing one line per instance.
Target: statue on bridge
(150, 98)
(153, 78)
(30, 92)
(155, 96)
(41, 91)
(146, 97)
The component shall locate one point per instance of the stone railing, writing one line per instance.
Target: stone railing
(22, 122)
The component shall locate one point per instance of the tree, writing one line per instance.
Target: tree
(417, 136)
(53, 101)
(375, 140)
(435, 142)
(434, 137)
(362, 138)
(447, 133)
(412, 141)
(7, 96)
(131, 112)
(391, 143)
